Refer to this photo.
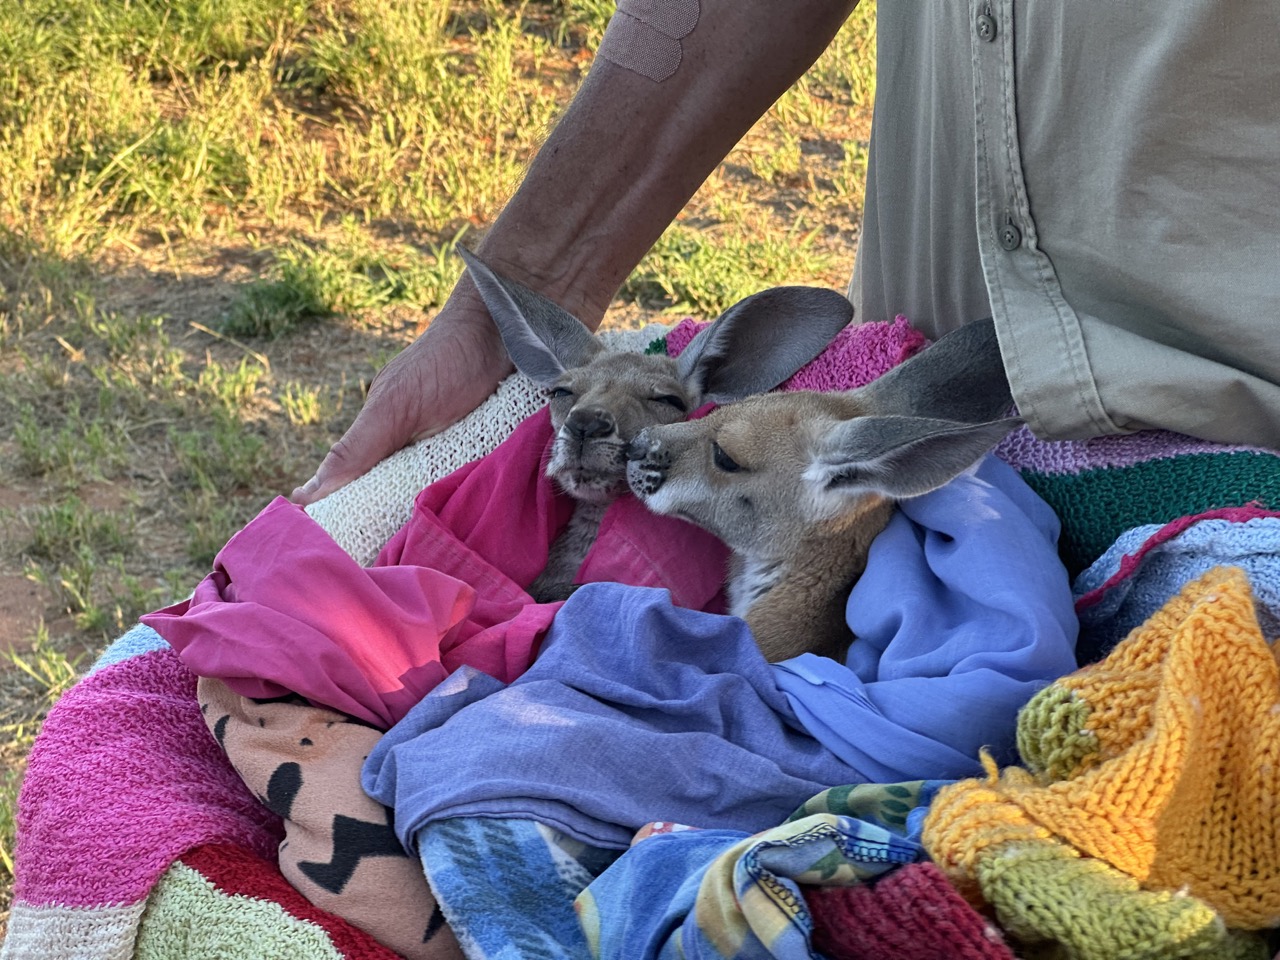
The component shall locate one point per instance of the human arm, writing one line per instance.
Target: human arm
(625, 158)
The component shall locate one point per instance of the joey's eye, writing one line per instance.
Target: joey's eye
(671, 400)
(558, 392)
(722, 460)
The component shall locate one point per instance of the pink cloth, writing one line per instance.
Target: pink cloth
(287, 610)
(123, 779)
(856, 356)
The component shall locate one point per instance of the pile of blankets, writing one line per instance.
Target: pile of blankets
(318, 756)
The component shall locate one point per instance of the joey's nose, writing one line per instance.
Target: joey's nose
(589, 423)
(640, 446)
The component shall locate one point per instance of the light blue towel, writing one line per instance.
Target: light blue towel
(963, 613)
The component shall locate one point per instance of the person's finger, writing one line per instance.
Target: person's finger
(431, 384)
(367, 441)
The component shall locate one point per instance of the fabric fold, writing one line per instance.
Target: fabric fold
(636, 710)
(286, 610)
(963, 613)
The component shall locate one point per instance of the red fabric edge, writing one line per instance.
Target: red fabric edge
(1129, 564)
(237, 872)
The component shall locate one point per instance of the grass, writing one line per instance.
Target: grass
(32, 682)
(351, 275)
(219, 218)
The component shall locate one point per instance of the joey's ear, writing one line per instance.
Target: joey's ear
(900, 456)
(542, 337)
(961, 377)
(761, 340)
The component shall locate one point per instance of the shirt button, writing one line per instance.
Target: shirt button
(1010, 236)
(986, 26)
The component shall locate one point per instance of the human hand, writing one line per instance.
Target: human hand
(619, 166)
(434, 382)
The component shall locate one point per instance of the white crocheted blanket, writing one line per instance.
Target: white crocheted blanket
(363, 515)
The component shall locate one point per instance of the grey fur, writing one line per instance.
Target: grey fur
(541, 337)
(744, 352)
(601, 400)
(903, 456)
(961, 377)
(799, 484)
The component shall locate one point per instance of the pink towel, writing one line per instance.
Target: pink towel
(853, 359)
(123, 779)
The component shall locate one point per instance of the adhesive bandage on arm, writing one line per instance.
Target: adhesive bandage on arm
(645, 36)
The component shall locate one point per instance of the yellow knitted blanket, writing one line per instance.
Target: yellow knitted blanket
(1146, 821)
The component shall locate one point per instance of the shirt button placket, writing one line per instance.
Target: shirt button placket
(1010, 235)
(986, 24)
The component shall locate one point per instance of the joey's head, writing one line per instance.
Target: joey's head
(600, 400)
(739, 472)
(598, 407)
(776, 474)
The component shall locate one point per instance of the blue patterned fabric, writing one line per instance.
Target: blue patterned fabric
(507, 886)
(724, 895)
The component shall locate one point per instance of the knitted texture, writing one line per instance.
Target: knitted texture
(127, 811)
(124, 776)
(1178, 745)
(51, 931)
(1162, 764)
(911, 913)
(856, 356)
(1047, 895)
(1148, 565)
(1102, 487)
(339, 850)
(364, 514)
(220, 901)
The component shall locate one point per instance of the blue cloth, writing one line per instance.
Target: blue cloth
(724, 895)
(963, 613)
(636, 710)
(1252, 545)
(666, 874)
(507, 887)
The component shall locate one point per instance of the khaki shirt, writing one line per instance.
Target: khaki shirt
(1102, 177)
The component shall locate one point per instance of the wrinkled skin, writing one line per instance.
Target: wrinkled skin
(434, 382)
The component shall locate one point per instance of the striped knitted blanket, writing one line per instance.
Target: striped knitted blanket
(137, 839)
(1102, 487)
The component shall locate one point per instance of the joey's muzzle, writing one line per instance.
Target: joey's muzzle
(647, 464)
(640, 446)
(590, 423)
